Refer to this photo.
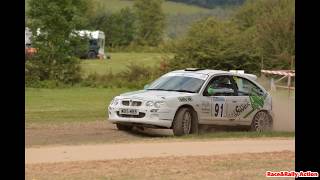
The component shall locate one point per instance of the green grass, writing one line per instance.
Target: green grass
(119, 62)
(169, 7)
(67, 105)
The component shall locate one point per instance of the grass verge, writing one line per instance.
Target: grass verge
(68, 104)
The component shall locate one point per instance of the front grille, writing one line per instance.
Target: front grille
(141, 115)
(125, 103)
(133, 103)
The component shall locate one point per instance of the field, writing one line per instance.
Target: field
(119, 61)
(168, 7)
(67, 105)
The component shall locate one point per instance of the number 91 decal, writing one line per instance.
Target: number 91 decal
(218, 109)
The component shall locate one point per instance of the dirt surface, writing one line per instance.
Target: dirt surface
(84, 132)
(141, 150)
(233, 166)
(101, 132)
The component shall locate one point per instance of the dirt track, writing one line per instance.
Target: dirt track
(142, 150)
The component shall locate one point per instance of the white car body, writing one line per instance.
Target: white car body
(215, 110)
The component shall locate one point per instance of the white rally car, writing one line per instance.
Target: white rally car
(184, 99)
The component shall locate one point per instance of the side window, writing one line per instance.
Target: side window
(247, 88)
(219, 86)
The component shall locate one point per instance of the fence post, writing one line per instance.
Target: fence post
(289, 84)
(272, 85)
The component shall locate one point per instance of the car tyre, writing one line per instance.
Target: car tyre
(123, 127)
(262, 122)
(182, 122)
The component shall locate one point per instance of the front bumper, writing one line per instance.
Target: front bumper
(148, 116)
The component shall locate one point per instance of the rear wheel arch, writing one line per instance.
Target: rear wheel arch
(264, 111)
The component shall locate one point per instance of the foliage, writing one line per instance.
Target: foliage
(261, 31)
(211, 3)
(215, 45)
(52, 24)
(118, 27)
(150, 22)
(274, 26)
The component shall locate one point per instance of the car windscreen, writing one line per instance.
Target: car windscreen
(177, 83)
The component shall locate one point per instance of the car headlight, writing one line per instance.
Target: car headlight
(149, 103)
(114, 102)
(158, 104)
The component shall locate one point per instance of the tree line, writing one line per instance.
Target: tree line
(261, 34)
(212, 3)
(143, 24)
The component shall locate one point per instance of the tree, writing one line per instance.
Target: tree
(260, 33)
(272, 22)
(57, 20)
(118, 27)
(215, 45)
(150, 22)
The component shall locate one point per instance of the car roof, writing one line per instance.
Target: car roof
(204, 71)
(211, 72)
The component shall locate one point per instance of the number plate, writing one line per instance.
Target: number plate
(129, 111)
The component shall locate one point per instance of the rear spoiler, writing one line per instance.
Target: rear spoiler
(249, 76)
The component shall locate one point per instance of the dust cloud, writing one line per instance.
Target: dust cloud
(284, 116)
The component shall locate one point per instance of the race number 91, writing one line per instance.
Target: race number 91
(218, 110)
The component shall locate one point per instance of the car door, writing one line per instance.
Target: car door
(223, 91)
(241, 108)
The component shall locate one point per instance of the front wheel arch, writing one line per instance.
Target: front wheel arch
(194, 122)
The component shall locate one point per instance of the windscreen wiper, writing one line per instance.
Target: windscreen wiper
(177, 90)
(182, 90)
(158, 89)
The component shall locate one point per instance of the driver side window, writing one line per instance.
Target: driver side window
(219, 86)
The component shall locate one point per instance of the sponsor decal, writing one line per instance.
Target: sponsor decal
(185, 99)
(257, 102)
(193, 75)
(217, 98)
(205, 107)
(238, 110)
